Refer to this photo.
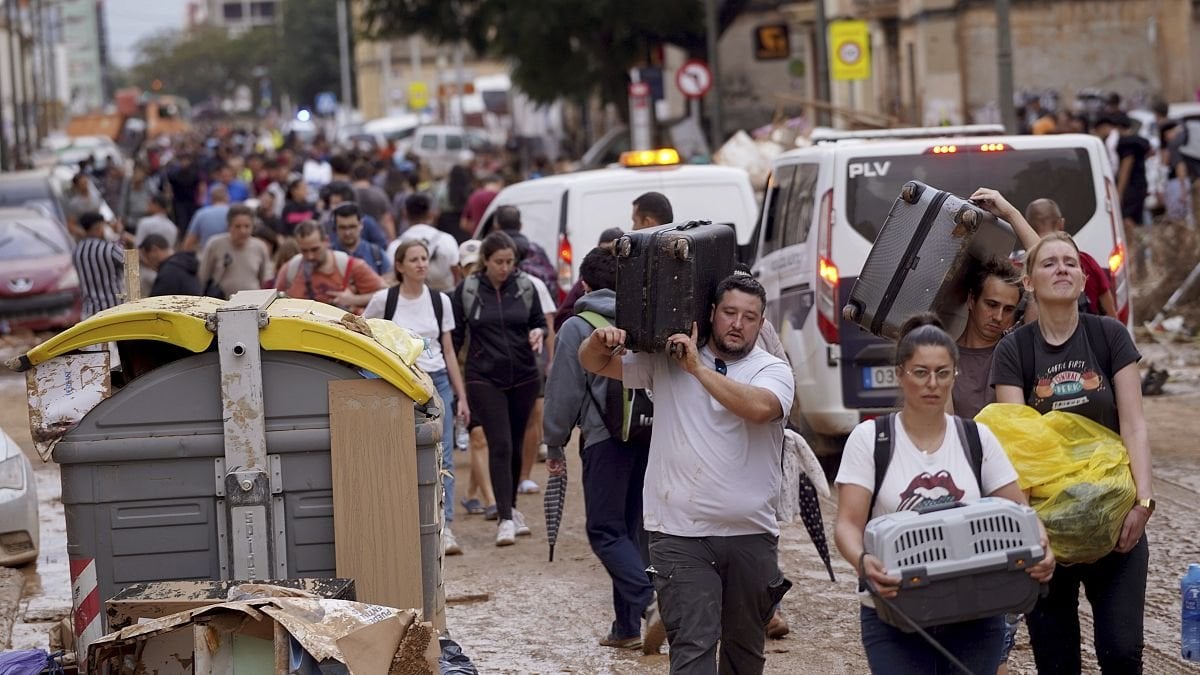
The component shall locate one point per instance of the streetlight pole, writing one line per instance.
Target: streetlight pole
(822, 54)
(18, 121)
(1008, 113)
(344, 51)
(716, 132)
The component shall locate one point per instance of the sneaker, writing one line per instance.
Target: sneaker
(521, 528)
(777, 627)
(506, 533)
(491, 513)
(450, 543)
(541, 457)
(611, 640)
(656, 632)
(527, 487)
(473, 506)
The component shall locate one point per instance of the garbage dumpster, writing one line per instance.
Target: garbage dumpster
(215, 464)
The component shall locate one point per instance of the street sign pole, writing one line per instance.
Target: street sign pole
(1008, 113)
(639, 116)
(716, 132)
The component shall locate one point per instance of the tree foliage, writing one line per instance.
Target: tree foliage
(300, 56)
(557, 48)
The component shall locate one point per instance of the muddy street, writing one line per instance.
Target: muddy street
(542, 617)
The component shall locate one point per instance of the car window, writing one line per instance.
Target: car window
(429, 142)
(800, 204)
(454, 142)
(777, 194)
(1062, 174)
(20, 240)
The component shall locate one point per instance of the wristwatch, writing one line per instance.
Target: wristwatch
(1147, 504)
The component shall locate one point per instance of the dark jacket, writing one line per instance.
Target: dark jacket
(177, 276)
(567, 401)
(499, 351)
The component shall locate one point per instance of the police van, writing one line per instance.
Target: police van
(566, 213)
(822, 211)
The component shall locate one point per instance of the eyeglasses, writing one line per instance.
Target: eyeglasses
(720, 367)
(943, 375)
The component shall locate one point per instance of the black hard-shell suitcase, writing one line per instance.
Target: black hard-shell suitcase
(667, 277)
(927, 247)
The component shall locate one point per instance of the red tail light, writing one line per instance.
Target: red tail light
(828, 276)
(1117, 259)
(566, 276)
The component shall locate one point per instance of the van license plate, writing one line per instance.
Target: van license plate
(880, 377)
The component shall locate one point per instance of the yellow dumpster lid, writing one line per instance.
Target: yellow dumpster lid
(293, 325)
(177, 319)
(324, 330)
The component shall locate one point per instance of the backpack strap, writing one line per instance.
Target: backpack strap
(293, 268)
(470, 297)
(596, 320)
(436, 298)
(525, 290)
(885, 430)
(377, 253)
(1025, 338)
(1093, 328)
(972, 445)
(393, 298)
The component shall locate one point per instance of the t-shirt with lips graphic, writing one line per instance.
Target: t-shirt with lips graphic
(916, 479)
(1069, 376)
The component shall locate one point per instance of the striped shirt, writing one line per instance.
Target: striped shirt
(100, 265)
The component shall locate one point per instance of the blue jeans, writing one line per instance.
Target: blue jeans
(441, 380)
(612, 494)
(976, 643)
(1115, 586)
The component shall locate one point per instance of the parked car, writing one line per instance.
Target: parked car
(18, 506)
(566, 213)
(823, 209)
(39, 289)
(441, 147)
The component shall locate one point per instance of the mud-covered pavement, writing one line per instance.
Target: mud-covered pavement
(547, 617)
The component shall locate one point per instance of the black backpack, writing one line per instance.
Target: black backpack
(393, 299)
(885, 431)
(628, 413)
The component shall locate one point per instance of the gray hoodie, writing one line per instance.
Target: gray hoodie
(567, 401)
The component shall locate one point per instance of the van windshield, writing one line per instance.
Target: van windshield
(1062, 174)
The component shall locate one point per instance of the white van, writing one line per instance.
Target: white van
(566, 213)
(823, 208)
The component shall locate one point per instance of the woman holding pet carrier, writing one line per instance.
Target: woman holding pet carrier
(929, 465)
(1083, 364)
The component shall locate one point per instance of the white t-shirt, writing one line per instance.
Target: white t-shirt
(710, 473)
(443, 254)
(915, 479)
(417, 315)
(549, 306)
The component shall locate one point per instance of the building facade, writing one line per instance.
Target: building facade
(82, 25)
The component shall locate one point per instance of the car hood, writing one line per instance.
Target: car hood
(33, 275)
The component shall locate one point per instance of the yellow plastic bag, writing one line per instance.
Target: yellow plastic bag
(1075, 471)
(401, 341)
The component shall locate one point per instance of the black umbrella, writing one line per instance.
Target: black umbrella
(810, 512)
(553, 498)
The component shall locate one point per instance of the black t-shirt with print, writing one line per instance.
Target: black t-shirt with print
(1069, 376)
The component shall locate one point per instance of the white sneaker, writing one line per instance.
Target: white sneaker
(450, 543)
(506, 534)
(519, 520)
(527, 487)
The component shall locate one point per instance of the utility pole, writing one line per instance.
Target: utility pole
(822, 53)
(716, 132)
(18, 121)
(344, 51)
(1008, 113)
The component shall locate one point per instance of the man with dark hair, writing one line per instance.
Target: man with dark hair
(613, 469)
(100, 265)
(236, 260)
(992, 299)
(651, 210)
(710, 481)
(348, 226)
(531, 257)
(333, 277)
(444, 271)
(156, 222)
(338, 193)
(174, 273)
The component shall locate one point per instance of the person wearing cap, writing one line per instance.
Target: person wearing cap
(566, 308)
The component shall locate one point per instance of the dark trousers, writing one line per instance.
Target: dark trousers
(977, 644)
(503, 414)
(716, 589)
(1115, 586)
(612, 493)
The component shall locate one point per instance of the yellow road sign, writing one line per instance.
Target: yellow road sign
(418, 95)
(850, 50)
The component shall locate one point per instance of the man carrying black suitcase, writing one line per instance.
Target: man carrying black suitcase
(713, 471)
